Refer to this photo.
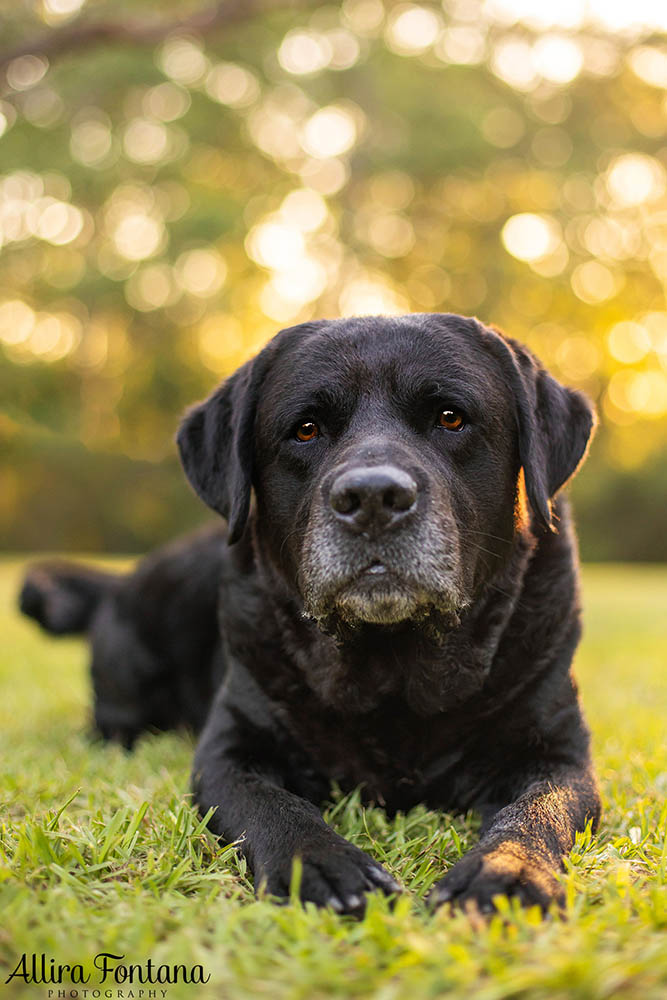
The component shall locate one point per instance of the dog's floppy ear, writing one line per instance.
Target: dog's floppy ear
(215, 441)
(555, 425)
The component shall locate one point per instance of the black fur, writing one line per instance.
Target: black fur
(156, 657)
(413, 637)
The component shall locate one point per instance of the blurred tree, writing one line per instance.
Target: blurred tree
(178, 181)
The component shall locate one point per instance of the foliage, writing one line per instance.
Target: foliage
(166, 206)
(100, 850)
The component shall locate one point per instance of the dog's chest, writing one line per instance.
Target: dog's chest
(394, 757)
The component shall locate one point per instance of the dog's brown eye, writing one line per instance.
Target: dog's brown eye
(452, 420)
(307, 430)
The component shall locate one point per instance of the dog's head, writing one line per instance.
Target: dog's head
(393, 461)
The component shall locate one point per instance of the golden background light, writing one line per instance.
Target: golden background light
(529, 237)
(496, 157)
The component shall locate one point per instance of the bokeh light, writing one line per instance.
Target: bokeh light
(145, 141)
(183, 60)
(497, 157)
(530, 237)
(201, 272)
(91, 140)
(56, 11)
(233, 85)
(26, 71)
(628, 342)
(138, 235)
(635, 178)
(330, 132)
(412, 29)
(304, 52)
(592, 282)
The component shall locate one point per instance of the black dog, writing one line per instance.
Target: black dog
(156, 654)
(399, 606)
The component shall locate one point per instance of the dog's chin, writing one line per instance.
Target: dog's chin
(387, 604)
(378, 607)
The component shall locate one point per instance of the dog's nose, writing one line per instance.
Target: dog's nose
(373, 497)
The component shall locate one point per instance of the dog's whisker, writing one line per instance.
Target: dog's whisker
(487, 534)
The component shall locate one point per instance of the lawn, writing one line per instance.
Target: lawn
(101, 852)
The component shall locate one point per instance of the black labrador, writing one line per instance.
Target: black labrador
(397, 601)
(157, 658)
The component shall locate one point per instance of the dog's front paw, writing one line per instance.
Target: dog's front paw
(333, 873)
(505, 870)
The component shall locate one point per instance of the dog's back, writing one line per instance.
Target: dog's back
(156, 657)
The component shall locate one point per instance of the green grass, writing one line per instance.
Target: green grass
(101, 851)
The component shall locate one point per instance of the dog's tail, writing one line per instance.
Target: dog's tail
(63, 597)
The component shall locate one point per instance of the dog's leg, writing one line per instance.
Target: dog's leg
(244, 768)
(523, 844)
